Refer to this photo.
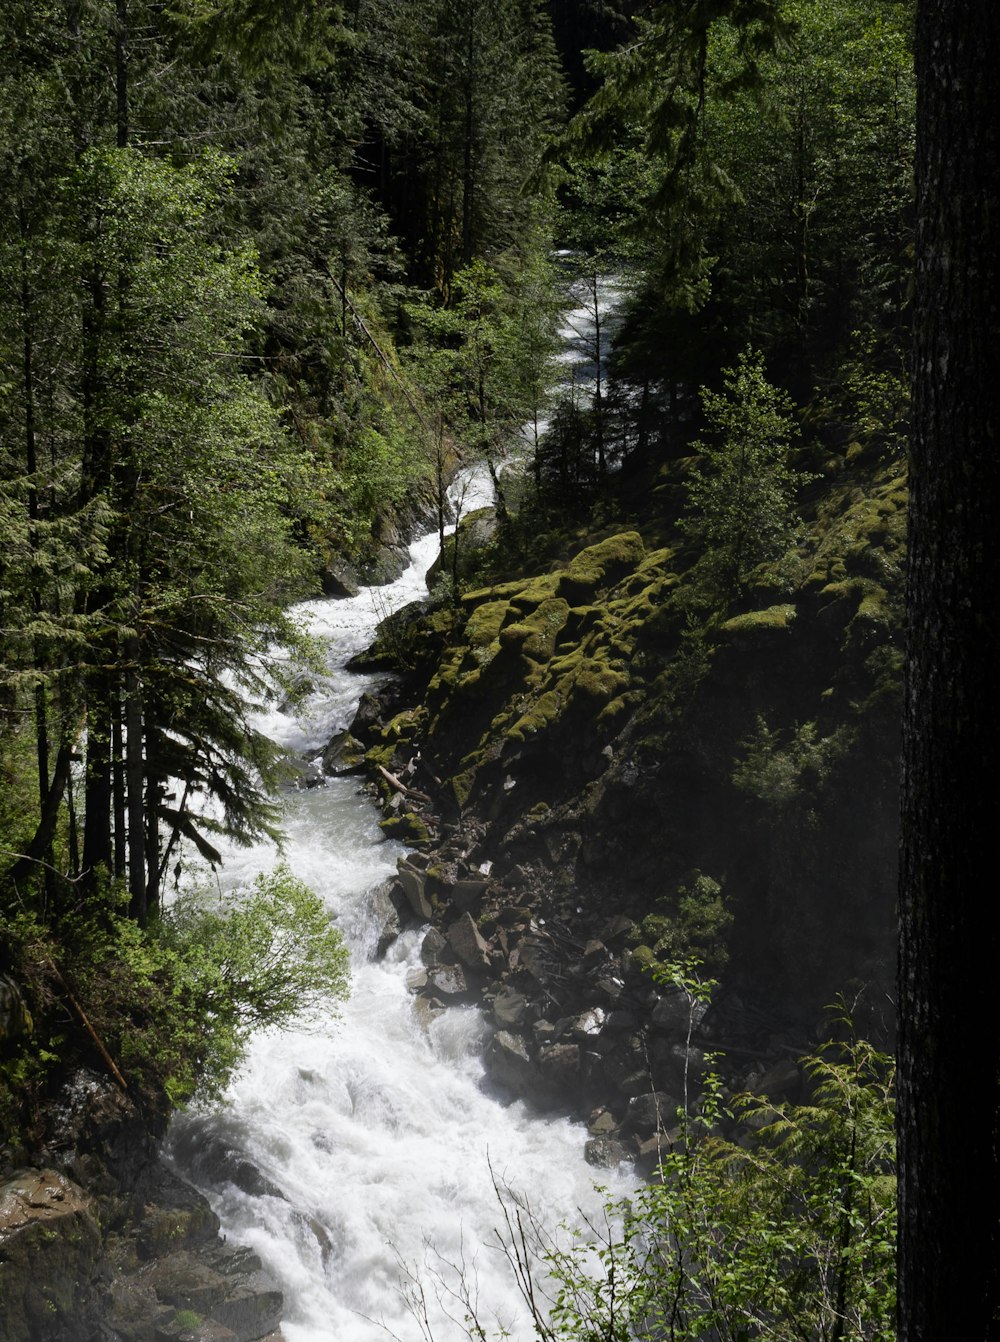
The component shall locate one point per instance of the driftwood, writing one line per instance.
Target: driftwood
(399, 786)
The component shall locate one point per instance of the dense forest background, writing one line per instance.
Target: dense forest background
(268, 276)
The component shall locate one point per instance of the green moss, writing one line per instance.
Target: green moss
(536, 635)
(484, 624)
(774, 617)
(407, 828)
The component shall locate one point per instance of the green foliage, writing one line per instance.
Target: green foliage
(692, 920)
(781, 775)
(741, 494)
(174, 1005)
(787, 1233)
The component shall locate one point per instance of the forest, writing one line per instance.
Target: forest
(277, 281)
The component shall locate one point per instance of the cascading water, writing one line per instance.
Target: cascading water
(373, 1145)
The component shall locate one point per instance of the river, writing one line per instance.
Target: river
(378, 1138)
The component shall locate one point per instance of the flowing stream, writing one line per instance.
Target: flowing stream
(374, 1144)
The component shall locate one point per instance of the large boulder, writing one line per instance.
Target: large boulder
(468, 944)
(509, 1064)
(50, 1259)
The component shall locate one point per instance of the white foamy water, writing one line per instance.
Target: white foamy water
(377, 1135)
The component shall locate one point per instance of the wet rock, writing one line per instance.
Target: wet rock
(509, 1007)
(467, 893)
(675, 1013)
(50, 1259)
(339, 579)
(433, 948)
(447, 981)
(602, 1124)
(509, 1063)
(589, 1025)
(467, 943)
(389, 910)
(650, 1113)
(621, 1022)
(343, 754)
(559, 1066)
(606, 1153)
(414, 882)
(416, 979)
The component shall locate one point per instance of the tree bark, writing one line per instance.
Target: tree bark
(949, 1248)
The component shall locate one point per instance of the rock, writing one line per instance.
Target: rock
(559, 1066)
(602, 1123)
(648, 1154)
(620, 1022)
(589, 1025)
(50, 1258)
(509, 1064)
(388, 907)
(339, 579)
(226, 1285)
(617, 929)
(467, 894)
(371, 707)
(213, 1159)
(302, 774)
(650, 1113)
(468, 945)
(433, 948)
(780, 1081)
(343, 754)
(509, 1007)
(413, 882)
(416, 979)
(674, 1013)
(606, 1153)
(447, 981)
(534, 955)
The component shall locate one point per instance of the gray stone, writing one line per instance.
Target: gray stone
(509, 1063)
(433, 947)
(385, 913)
(602, 1124)
(339, 580)
(606, 1153)
(780, 1081)
(509, 1007)
(559, 1065)
(674, 1013)
(413, 883)
(467, 894)
(50, 1250)
(620, 1022)
(589, 1025)
(416, 979)
(468, 944)
(447, 981)
(650, 1113)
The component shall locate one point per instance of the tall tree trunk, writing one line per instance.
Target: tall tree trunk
(134, 769)
(949, 1246)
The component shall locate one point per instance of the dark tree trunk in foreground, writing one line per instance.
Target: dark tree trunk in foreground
(949, 958)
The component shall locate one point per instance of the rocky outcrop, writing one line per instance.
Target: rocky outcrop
(600, 784)
(106, 1244)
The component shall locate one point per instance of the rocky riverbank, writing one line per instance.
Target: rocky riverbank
(101, 1242)
(598, 785)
